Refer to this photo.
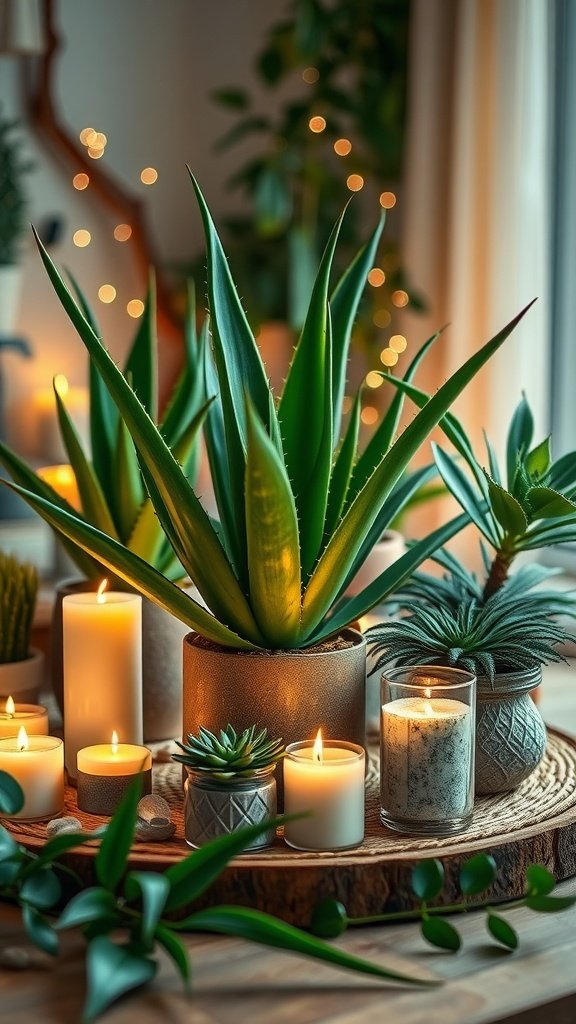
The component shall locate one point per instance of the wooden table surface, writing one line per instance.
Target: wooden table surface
(236, 982)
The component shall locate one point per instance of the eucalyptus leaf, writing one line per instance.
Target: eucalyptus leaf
(152, 888)
(540, 880)
(41, 889)
(477, 874)
(427, 879)
(440, 933)
(91, 904)
(112, 971)
(39, 930)
(503, 932)
(550, 904)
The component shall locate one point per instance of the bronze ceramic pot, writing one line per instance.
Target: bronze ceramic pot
(510, 732)
(292, 693)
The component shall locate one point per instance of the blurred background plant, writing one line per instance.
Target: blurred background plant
(18, 590)
(13, 201)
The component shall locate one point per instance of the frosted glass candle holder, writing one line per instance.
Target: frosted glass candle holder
(427, 749)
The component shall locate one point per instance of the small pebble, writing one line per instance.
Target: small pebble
(161, 828)
(153, 806)
(15, 958)
(59, 826)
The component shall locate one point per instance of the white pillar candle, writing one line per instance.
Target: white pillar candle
(37, 764)
(328, 782)
(33, 717)
(426, 760)
(102, 670)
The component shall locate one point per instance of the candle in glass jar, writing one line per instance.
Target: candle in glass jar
(33, 717)
(37, 764)
(102, 669)
(106, 770)
(328, 782)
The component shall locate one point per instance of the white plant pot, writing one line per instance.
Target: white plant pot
(23, 680)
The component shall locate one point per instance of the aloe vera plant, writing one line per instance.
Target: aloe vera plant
(298, 512)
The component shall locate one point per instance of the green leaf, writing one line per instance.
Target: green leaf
(329, 919)
(506, 509)
(129, 491)
(40, 931)
(258, 927)
(272, 538)
(236, 99)
(537, 461)
(341, 550)
(519, 438)
(344, 303)
(549, 504)
(112, 856)
(477, 874)
(550, 904)
(176, 950)
(112, 971)
(11, 801)
(462, 490)
(141, 369)
(503, 932)
(441, 933)
(153, 888)
(428, 879)
(90, 905)
(342, 469)
(562, 474)
(10, 869)
(540, 881)
(41, 889)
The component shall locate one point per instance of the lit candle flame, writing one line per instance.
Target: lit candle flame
(427, 692)
(10, 707)
(22, 741)
(101, 596)
(114, 742)
(428, 709)
(317, 749)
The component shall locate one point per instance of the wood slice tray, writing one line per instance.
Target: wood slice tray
(535, 823)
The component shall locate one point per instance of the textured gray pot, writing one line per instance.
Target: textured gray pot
(292, 693)
(162, 636)
(215, 808)
(510, 732)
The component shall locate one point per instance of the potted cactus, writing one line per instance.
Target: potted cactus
(505, 626)
(21, 666)
(230, 783)
(298, 511)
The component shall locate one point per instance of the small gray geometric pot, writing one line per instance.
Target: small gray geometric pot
(217, 807)
(510, 732)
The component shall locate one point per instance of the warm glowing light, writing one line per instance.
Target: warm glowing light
(10, 707)
(376, 277)
(22, 741)
(95, 154)
(122, 232)
(106, 293)
(382, 318)
(387, 200)
(317, 124)
(82, 238)
(398, 343)
(135, 308)
(428, 692)
(342, 147)
(149, 175)
(80, 181)
(369, 415)
(98, 141)
(100, 595)
(355, 182)
(86, 136)
(61, 385)
(114, 743)
(428, 709)
(374, 379)
(388, 357)
(310, 75)
(400, 298)
(318, 748)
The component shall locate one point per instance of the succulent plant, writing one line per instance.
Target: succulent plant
(18, 590)
(299, 511)
(13, 223)
(229, 755)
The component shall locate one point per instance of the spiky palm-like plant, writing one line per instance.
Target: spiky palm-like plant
(12, 195)
(229, 755)
(298, 512)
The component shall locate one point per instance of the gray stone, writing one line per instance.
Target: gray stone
(59, 826)
(153, 806)
(147, 832)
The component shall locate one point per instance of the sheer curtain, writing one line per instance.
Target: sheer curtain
(477, 197)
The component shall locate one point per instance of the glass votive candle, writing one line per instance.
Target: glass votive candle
(325, 782)
(427, 749)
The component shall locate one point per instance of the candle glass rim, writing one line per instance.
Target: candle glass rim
(457, 680)
(39, 709)
(48, 743)
(292, 750)
(111, 597)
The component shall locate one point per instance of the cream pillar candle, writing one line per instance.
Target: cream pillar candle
(105, 770)
(102, 670)
(33, 717)
(37, 764)
(328, 782)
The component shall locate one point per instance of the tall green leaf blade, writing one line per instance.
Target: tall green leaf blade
(272, 538)
(111, 859)
(128, 487)
(135, 571)
(339, 554)
(462, 490)
(189, 392)
(141, 366)
(344, 304)
(342, 469)
(519, 438)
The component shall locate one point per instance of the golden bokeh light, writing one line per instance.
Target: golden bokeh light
(369, 415)
(86, 136)
(95, 154)
(376, 277)
(98, 141)
(342, 147)
(135, 308)
(373, 379)
(80, 181)
(398, 343)
(122, 232)
(355, 182)
(310, 75)
(381, 318)
(317, 124)
(81, 238)
(388, 357)
(149, 175)
(387, 200)
(400, 298)
(107, 293)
